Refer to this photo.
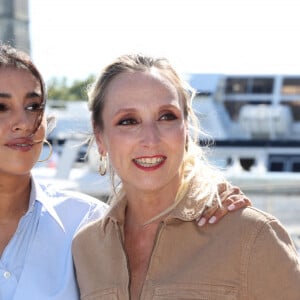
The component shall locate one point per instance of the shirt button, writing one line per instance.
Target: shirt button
(6, 274)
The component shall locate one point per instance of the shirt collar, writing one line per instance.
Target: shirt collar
(40, 193)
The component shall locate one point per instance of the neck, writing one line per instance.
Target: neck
(14, 196)
(143, 207)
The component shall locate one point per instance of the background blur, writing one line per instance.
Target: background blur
(241, 55)
(75, 38)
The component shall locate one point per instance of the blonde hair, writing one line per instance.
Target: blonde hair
(195, 165)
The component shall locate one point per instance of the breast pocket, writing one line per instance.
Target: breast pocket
(195, 291)
(107, 294)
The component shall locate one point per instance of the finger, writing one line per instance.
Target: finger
(232, 203)
(240, 203)
(238, 197)
(202, 221)
(219, 214)
(207, 214)
(213, 214)
(210, 215)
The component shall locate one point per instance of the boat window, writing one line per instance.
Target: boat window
(262, 86)
(284, 163)
(291, 86)
(236, 86)
(249, 85)
(295, 164)
(296, 167)
(276, 165)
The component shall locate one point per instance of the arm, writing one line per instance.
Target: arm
(273, 266)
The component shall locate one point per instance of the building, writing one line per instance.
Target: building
(14, 23)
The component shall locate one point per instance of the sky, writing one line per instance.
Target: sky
(76, 38)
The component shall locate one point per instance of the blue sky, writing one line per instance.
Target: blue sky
(75, 38)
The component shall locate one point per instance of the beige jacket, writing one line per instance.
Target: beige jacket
(247, 255)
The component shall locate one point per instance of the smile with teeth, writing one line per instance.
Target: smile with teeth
(149, 162)
(23, 145)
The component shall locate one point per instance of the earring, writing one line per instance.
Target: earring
(186, 146)
(102, 165)
(50, 153)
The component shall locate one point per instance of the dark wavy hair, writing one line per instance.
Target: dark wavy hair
(11, 57)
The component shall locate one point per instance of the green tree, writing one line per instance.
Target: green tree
(60, 89)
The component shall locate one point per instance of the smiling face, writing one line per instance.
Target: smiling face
(20, 107)
(144, 131)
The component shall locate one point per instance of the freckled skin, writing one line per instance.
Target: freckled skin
(143, 117)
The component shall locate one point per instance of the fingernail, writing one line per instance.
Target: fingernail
(212, 220)
(202, 221)
(231, 207)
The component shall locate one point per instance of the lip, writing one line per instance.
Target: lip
(149, 163)
(20, 144)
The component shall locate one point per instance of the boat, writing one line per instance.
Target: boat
(251, 131)
(252, 124)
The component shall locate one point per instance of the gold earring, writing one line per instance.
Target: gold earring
(102, 165)
(186, 146)
(50, 153)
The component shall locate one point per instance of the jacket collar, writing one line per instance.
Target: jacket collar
(191, 206)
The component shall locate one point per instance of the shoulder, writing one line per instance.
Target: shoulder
(61, 197)
(254, 218)
(110, 225)
(253, 214)
(91, 235)
(259, 219)
(260, 231)
(70, 206)
(249, 218)
(268, 252)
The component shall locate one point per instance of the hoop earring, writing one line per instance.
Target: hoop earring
(102, 165)
(186, 146)
(50, 153)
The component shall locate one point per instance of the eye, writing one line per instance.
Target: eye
(127, 121)
(35, 107)
(3, 107)
(168, 117)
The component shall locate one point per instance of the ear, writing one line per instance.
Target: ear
(99, 138)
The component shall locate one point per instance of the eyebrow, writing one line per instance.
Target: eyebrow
(33, 95)
(133, 109)
(27, 96)
(5, 95)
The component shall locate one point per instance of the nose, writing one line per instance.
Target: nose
(22, 121)
(150, 134)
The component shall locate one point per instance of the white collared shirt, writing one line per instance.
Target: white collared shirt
(37, 262)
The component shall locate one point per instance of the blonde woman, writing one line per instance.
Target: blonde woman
(148, 245)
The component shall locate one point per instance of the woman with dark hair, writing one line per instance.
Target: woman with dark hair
(37, 224)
